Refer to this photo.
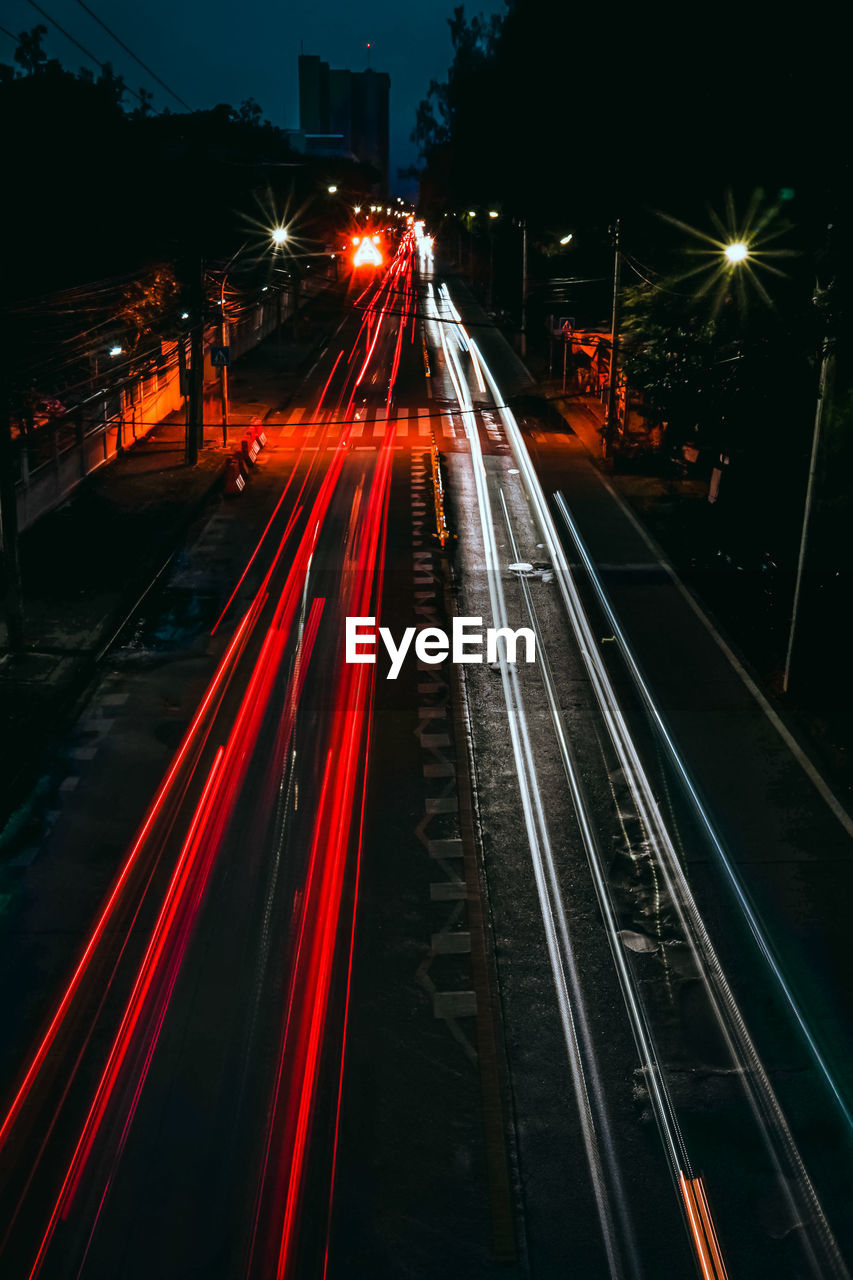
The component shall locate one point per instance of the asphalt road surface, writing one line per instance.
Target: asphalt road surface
(349, 976)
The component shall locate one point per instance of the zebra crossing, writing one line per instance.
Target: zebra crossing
(370, 424)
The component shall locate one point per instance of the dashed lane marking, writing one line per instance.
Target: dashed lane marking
(292, 422)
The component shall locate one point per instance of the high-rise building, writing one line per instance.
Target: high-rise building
(345, 113)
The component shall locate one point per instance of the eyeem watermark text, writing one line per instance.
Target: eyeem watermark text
(432, 644)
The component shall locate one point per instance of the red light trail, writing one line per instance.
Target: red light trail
(326, 912)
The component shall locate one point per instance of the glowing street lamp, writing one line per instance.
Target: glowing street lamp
(566, 239)
(493, 213)
(737, 252)
(116, 351)
(279, 235)
(332, 190)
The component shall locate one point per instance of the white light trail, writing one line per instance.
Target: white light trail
(585, 1078)
(817, 1237)
(701, 812)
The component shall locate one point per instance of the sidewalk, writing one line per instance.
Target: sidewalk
(86, 564)
(676, 512)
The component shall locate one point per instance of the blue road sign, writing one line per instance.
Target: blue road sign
(220, 357)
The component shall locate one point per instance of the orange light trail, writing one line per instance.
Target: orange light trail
(702, 1230)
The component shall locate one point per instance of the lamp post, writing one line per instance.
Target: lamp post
(564, 240)
(278, 235)
(493, 214)
(736, 253)
(824, 394)
(9, 532)
(472, 213)
(223, 342)
(610, 422)
(523, 287)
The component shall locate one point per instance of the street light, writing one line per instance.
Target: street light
(736, 252)
(332, 190)
(493, 213)
(278, 235)
(566, 239)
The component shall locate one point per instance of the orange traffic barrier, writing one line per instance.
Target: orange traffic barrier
(234, 482)
(250, 448)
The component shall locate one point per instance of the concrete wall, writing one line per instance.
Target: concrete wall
(141, 404)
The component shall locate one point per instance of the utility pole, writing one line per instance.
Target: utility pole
(195, 403)
(523, 287)
(195, 430)
(296, 289)
(9, 532)
(610, 420)
(223, 368)
(827, 370)
(184, 388)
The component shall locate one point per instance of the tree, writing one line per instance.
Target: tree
(453, 130)
(143, 110)
(672, 356)
(250, 113)
(110, 86)
(29, 53)
(146, 301)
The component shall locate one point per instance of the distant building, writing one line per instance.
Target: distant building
(345, 113)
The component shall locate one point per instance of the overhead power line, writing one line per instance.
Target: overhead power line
(129, 51)
(661, 288)
(78, 45)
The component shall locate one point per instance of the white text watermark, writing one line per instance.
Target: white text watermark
(467, 642)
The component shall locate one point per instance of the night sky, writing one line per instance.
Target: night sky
(211, 51)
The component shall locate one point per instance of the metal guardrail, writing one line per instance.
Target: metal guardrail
(51, 467)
